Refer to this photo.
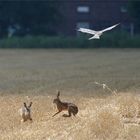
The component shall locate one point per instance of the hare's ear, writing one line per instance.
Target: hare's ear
(30, 104)
(25, 105)
(58, 94)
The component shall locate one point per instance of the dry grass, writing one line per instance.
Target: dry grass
(39, 73)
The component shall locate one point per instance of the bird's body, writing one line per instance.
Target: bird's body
(96, 34)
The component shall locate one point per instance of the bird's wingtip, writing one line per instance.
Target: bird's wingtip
(118, 24)
(79, 29)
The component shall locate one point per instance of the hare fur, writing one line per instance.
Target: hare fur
(25, 112)
(70, 107)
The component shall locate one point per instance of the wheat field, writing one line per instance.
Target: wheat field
(37, 75)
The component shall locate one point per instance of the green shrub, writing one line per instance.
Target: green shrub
(113, 40)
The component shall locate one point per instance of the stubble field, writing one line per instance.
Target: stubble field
(37, 75)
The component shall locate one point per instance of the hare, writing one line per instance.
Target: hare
(70, 107)
(25, 112)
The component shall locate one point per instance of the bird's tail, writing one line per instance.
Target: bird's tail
(94, 37)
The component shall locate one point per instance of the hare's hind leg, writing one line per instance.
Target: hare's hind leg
(69, 114)
(71, 110)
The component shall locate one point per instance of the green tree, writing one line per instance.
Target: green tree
(35, 17)
(134, 10)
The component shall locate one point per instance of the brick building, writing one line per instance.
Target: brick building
(94, 14)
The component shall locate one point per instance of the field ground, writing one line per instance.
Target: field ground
(36, 75)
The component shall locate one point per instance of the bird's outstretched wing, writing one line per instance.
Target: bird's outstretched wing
(88, 31)
(109, 28)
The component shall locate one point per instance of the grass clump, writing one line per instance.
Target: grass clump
(113, 40)
(107, 125)
(129, 106)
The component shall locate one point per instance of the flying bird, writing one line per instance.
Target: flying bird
(96, 34)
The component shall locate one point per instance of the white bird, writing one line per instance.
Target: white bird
(96, 34)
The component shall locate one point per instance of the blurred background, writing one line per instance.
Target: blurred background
(54, 23)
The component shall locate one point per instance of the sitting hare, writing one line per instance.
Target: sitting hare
(25, 112)
(70, 107)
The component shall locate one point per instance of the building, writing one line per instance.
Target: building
(94, 14)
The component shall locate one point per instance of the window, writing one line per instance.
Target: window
(82, 25)
(123, 9)
(83, 9)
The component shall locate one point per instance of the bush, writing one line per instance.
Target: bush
(114, 40)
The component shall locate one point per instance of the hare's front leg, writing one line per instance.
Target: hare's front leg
(23, 120)
(30, 119)
(56, 113)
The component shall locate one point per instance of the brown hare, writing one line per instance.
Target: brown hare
(25, 112)
(70, 107)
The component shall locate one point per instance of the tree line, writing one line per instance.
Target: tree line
(22, 17)
(134, 10)
(40, 17)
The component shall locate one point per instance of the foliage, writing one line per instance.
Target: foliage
(134, 10)
(28, 16)
(115, 40)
